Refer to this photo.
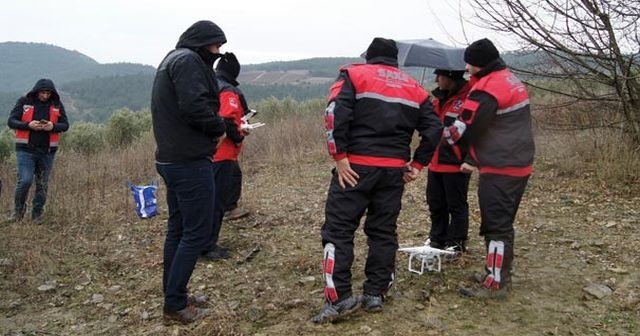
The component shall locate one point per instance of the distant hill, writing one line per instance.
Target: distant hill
(92, 91)
(22, 64)
(317, 67)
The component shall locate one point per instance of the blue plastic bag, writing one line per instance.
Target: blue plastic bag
(145, 199)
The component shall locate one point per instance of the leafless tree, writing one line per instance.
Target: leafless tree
(593, 46)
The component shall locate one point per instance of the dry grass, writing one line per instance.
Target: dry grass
(604, 155)
(92, 243)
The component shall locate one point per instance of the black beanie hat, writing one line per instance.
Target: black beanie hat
(453, 74)
(480, 53)
(229, 63)
(382, 47)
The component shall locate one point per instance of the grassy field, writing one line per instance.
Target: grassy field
(94, 268)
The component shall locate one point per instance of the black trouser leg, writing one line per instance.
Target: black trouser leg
(343, 210)
(499, 197)
(456, 186)
(380, 228)
(437, 208)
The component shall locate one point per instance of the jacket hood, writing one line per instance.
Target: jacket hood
(44, 84)
(201, 34)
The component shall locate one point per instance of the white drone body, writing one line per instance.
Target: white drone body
(430, 258)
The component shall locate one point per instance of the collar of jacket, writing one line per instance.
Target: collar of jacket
(442, 95)
(496, 65)
(383, 60)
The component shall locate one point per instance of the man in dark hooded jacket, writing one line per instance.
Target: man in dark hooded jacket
(186, 126)
(38, 118)
(371, 116)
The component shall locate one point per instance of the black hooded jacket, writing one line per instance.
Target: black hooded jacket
(184, 99)
(38, 140)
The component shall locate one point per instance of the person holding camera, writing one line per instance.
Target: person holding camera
(38, 118)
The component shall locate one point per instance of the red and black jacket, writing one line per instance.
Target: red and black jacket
(372, 113)
(448, 106)
(498, 118)
(232, 109)
(29, 108)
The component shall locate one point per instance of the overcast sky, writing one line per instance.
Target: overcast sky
(143, 31)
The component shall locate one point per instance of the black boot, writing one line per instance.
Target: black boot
(496, 284)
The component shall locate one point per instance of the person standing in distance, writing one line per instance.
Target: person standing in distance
(447, 186)
(38, 118)
(496, 123)
(372, 113)
(186, 127)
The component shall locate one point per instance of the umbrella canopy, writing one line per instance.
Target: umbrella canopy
(429, 53)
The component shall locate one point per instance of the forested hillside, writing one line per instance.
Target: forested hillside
(92, 91)
(318, 67)
(21, 64)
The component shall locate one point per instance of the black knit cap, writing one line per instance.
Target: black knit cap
(382, 47)
(480, 53)
(229, 64)
(453, 74)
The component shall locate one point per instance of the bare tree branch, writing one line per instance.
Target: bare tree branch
(592, 46)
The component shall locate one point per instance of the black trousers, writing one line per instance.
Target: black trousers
(447, 200)
(228, 179)
(379, 193)
(499, 197)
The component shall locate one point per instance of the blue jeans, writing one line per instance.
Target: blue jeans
(191, 199)
(32, 164)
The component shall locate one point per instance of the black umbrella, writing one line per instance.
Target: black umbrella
(429, 53)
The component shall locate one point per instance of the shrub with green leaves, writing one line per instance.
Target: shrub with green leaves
(6, 143)
(84, 137)
(126, 126)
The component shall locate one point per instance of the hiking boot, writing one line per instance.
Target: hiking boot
(457, 248)
(189, 314)
(236, 213)
(434, 244)
(14, 218)
(477, 277)
(485, 293)
(372, 303)
(218, 253)
(200, 301)
(332, 312)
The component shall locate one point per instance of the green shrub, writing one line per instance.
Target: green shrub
(6, 143)
(126, 126)
(84, 137)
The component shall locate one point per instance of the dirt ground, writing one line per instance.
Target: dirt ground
(572, 235)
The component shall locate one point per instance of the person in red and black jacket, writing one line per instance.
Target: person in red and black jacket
(38, 118)
(447, 186)
(372, 113)
(226, 169)
(496, 123)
